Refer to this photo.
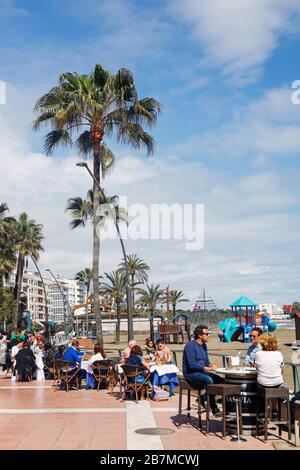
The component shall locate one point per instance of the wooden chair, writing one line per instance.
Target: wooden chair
(64, 373)
(135, 382)
(102, 372)
(268, 395)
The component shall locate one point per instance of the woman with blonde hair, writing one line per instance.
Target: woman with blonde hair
(269, 362)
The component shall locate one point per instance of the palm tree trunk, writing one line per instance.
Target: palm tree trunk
(87, 309)
(18, 288)
(174, 310)
(118, 329)
(96, 242)
(132, 290)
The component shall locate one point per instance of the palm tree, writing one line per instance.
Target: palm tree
(150, 296)
(103, 104)
(28, 243)
(7, 247)
(82, 210)
(86, 276)
(137, 271)
(116, 289)
(174, 296)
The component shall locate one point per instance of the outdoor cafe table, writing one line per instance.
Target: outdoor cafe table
(162, 375)
(90, 381)
(246, 377)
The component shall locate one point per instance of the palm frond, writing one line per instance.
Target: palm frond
(55, 138)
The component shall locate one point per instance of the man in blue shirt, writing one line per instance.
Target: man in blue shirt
(196, 366)
(255, 346)
(73, 354)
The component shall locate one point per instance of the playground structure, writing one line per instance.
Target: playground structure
(179, 328)
(244, 319)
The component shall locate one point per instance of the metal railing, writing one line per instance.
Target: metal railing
(288, 363)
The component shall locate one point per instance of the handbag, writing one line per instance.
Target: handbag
(160, 394)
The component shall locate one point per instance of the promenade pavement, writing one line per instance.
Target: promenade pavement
(34, 416)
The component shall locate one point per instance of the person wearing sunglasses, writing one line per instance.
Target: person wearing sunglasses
(197, 368)
(254, 347)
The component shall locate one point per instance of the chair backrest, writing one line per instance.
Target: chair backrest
(132, 371)
(61, 364)
(102, 368)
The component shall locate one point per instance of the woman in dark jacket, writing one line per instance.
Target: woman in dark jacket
(25, 363)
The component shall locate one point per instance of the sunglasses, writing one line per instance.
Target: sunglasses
(253, 336)
(206, 334)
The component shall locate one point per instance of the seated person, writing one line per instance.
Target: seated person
(73, 355)
(126, 352)
(48, 360)
(98, 355)
(25, 362)
(254, 348)
(269, 362)
(150, 348)
(162, 352)
(197, 368)
(136, 359)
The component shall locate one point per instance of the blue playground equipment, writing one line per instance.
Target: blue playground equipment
(244, 311)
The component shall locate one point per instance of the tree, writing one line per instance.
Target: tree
(116, 289)
(6, 307)
(137, 271)
(174, 296)
(150, 296)
(28, 239)
(86, 276)
(82, 110)
(7, 245)
(82, 210)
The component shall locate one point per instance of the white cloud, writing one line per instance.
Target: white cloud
(237, 36)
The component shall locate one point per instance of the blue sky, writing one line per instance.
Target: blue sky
(229, 135)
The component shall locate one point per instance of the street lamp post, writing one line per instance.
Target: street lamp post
(64, 300)
(128, 289)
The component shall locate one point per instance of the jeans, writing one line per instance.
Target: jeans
(201, 380)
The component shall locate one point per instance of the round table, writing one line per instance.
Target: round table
(246, 377)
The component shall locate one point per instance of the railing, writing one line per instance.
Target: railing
(288, 363)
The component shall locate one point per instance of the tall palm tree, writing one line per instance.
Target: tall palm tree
(116, 289)
(150, 296)
(28, 243)
(7, 246)
(86, 276)
(174, 296)
(82, 110)
(137, 271)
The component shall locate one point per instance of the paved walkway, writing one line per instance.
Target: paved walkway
(34, 416)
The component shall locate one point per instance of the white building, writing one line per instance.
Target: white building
(273, 311)
(32, 286)
(74, 292)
